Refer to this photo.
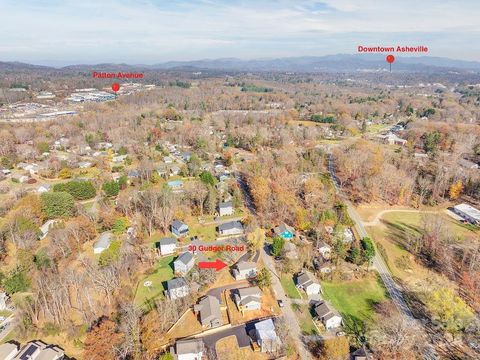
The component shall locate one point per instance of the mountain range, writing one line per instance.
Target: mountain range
(303, 64)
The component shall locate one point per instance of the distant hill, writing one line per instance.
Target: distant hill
(329, 63)
(304, 64)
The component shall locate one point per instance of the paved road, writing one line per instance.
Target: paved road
(7, 327)
(287, 310)
(392, 287)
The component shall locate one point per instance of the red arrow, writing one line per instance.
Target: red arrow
(217, 265)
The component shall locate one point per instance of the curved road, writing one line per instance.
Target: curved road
(392, 287)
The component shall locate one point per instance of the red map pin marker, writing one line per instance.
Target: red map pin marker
(115, 87)
(390, 60)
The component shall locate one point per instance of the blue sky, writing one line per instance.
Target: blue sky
(62, 32)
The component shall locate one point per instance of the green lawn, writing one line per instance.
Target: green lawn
(355, 298)
(204, 232)
(163, 272)
(289, 287)
(305, 319)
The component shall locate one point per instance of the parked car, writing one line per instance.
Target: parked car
(280, 303)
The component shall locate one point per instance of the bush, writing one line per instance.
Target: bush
(17, 281)
(207, 178)
(120, 225)
(80, 190)
(111, 188)
(110, 255)
(58, 204)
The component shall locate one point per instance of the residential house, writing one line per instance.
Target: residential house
(43, 188)
(468, 213)
(119, 158)
(103, 242)
(8, 351)
(166, 246)
(266, 336)
(230, 228)
(84, 164)
(186, 156)
(348, 236)
(284, 231)
(45, 228)
(359, 354)
(184, 263)
(328, 316)
(38, 350)
(174, 170)
(249, 298)
(167, 160)
(307, 282)
(209, 311)
(177, 288)
(133, 174)
(3, 301)
(190, 349)
(225, 208)
(467, 164)
(244, 270)
(322, 265)
(179, 228)
(392, 139)
(324, 249)
(176, 185)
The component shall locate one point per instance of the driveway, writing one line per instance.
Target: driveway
(239, 331)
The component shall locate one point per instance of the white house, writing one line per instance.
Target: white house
(167, 246)
(8, 351)
(45, 228)
(230, 228)
(307, 282)
(44, 188)
(184, 263)
(103, 243)
(190, 349)
(467, 212)
(324, 249)
(244, 270)
(248, 298)
(177, 288)
(225, 208)
(328, 316)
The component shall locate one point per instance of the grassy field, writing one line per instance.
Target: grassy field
(163, 272)
(289, 287)
(391, 234)
(204, 232)
(305, 319)
(355, 298)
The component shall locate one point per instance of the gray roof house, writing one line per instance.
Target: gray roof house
(39, 350)
(177, 288)
(244, 270)
(248, 298)
(184, 263)
(267, 337)
(308, 283)
(103, 243)
(179, 228)
(209, 310)
(230, 228)
(225, 208)
(328, 316)
(166, 245)
(190, 349)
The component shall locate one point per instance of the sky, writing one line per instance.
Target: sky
(61, 32)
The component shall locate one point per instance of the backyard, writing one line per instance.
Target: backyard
(163, 271)
(355, 298)
(289, 287)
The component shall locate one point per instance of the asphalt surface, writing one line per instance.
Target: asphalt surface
(239, 331)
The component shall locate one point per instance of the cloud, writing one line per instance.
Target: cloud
(150, 31)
